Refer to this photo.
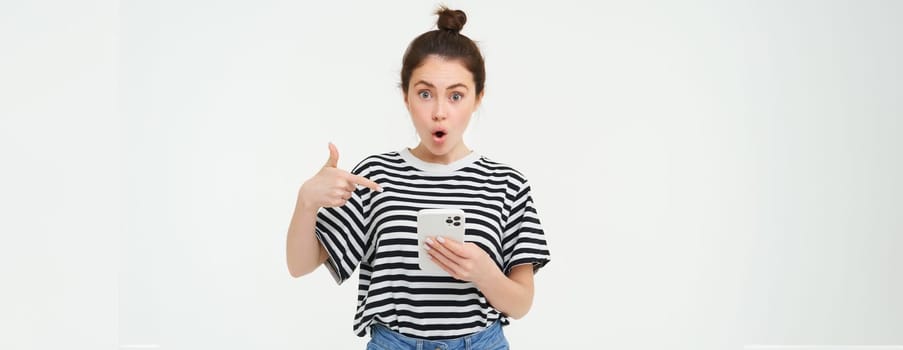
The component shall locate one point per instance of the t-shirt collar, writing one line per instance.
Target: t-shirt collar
(437, 167)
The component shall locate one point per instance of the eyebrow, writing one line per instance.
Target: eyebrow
(452, 86)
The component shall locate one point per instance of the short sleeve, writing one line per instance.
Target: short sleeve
(343, 232)
(524, 240)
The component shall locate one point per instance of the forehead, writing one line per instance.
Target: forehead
(442, 72)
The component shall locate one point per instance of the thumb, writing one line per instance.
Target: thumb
(333, 161)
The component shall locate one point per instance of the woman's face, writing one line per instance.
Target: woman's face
(441, 98)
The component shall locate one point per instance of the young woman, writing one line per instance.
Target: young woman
(368, 217)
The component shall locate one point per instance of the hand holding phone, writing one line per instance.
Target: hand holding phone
(448, 223)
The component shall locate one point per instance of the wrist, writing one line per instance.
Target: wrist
(494, 277)
(304, 205)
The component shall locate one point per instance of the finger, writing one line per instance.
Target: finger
(336, 202)
(343, 182)
(344, 195)
(446, 263)
(454, 246)
(436, 243)
(444, 267)
(333, 161)
(363, 181)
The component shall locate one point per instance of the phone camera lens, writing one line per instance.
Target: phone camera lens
(457, 223)
(457, 218)
(448, 221)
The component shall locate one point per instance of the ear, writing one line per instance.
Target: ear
(479, 100)
(404, 97)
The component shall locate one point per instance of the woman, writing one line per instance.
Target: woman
(490, 275)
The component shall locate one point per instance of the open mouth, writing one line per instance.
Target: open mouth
(439, 134)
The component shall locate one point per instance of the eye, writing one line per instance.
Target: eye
(456, 96)
(425, 94)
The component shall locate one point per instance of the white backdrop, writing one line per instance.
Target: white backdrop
(710, 174)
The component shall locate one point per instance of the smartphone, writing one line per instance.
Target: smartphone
(431, 223)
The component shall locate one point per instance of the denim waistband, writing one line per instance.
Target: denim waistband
(491, 335)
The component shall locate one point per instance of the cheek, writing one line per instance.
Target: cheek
(420, 110)
(462, 115)
(420, 115)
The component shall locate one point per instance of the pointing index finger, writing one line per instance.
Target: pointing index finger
(363, 181)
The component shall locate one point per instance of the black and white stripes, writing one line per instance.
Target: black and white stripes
(377, 230)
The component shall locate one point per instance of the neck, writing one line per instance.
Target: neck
(455, 154)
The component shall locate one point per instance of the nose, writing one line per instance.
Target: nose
(439, 111)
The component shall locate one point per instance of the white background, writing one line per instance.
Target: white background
(710, 174)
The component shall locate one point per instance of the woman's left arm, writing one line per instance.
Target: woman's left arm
(511, 294)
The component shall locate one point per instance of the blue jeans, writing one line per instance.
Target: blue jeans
(491, 338)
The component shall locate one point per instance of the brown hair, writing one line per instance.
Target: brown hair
(446, 42)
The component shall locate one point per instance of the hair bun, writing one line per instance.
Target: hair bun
(452, 20)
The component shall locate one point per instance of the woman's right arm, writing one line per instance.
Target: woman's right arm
(330, 187)
(303, 251)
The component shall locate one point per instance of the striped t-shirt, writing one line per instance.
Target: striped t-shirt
(378, 231)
